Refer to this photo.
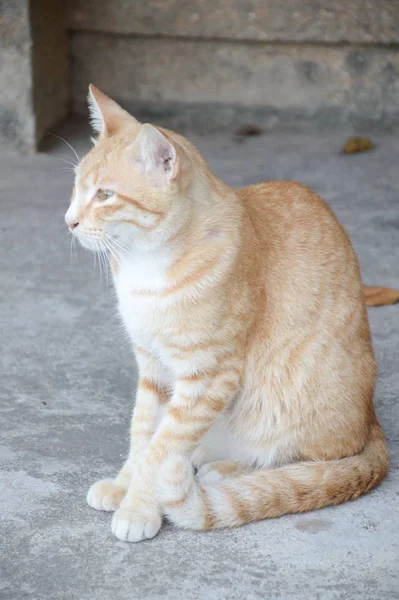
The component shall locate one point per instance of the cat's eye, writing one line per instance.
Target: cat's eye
(104, 194)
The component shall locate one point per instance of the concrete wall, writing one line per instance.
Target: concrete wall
(17, 128)
(291, 64)
(356, 21)
(204, 63)
(49, 64)
(33, 71)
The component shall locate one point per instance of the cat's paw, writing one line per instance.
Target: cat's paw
(208, 474)
(200, 457)
(132, 525)
(105, 495)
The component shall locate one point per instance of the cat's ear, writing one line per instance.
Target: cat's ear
(155, 155)
(106, 116)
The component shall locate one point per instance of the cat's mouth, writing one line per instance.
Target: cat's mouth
(91, 240)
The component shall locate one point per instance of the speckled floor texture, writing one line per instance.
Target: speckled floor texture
(67, 376)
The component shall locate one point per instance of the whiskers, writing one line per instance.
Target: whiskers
(105, 247)
(116, 246)
(73, 251)
(71, 168)
(72, 163)
(103, 253)
(78, 158)
(108, 247)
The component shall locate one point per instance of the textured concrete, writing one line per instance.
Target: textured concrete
(33, 71)
(358, 21)
(49, 64)
(279, 86)
(66, 380)
(290, 65)
(17, 127)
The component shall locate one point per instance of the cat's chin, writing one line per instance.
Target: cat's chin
(90, 244)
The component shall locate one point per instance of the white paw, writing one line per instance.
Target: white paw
(105, 495)
(206, 474)
(199, 457)
(130, 525)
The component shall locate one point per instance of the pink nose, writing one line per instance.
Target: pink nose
(72, 224)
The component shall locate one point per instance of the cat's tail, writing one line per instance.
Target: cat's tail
(262, 494)
(380, 296)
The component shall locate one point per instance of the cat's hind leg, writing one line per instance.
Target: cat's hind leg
(185, 498)
(213, 472)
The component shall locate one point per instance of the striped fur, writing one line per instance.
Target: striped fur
(247, 318)
(238, 496)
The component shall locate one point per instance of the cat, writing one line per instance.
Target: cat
(247, 318)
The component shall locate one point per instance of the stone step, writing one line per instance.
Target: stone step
(221, 83)
(329, 21)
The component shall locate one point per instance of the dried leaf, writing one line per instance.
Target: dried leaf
(249, 129)
(357, 144)
(380, 296)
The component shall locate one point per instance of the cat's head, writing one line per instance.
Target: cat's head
(130, 189)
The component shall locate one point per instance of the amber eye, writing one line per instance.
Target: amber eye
(104, 194)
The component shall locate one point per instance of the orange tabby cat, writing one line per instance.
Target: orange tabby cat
(247, 317)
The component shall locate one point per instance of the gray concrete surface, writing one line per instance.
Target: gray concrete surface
(66, 385)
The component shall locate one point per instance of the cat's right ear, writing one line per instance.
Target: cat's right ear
(156, 156)
(106, 116)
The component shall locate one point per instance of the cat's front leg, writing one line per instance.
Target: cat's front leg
(198, 399)
(107, 494)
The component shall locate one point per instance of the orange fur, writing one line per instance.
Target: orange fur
(248, 306)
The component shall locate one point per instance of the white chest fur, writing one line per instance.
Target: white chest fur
(139, 284)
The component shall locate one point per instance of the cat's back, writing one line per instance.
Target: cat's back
(289, 217)
(287, 206)
(302, 249)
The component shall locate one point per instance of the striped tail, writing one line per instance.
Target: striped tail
(263, 494)
(380, 296)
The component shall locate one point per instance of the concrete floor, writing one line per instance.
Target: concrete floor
(66, 386)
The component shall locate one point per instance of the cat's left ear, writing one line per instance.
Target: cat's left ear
(106, 116)
(156, 156)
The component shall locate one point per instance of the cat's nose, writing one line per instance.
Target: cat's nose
(72, 223)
